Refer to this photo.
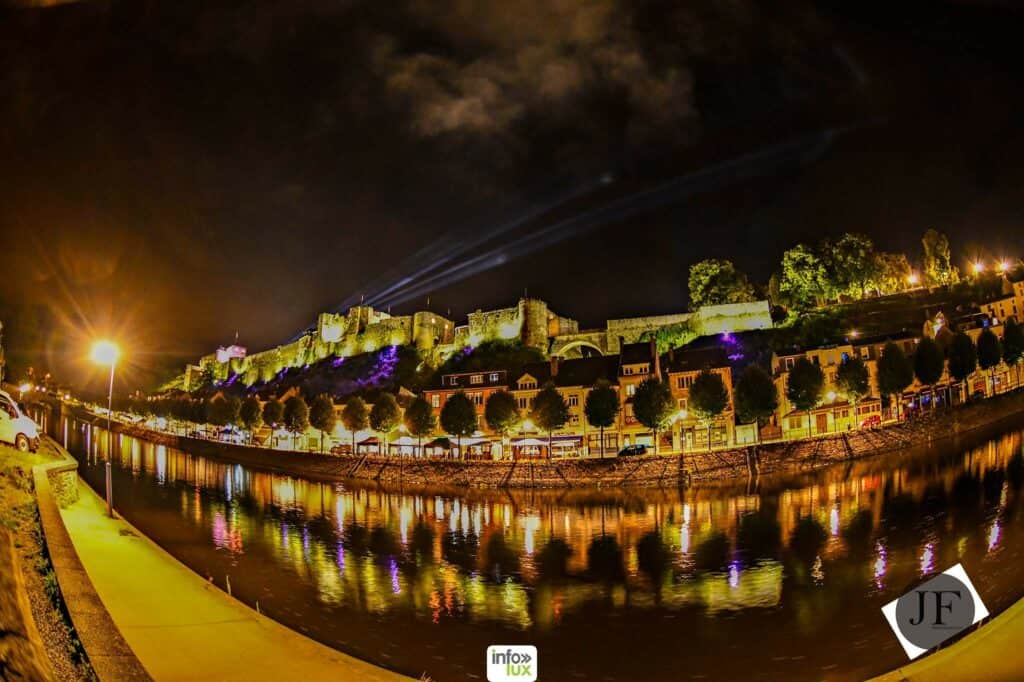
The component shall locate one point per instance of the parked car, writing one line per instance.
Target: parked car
(633, 450)
(15, 427)
(873, 420)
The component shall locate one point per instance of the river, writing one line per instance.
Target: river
(782, 580)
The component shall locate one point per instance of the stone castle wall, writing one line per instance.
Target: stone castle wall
(362, 329)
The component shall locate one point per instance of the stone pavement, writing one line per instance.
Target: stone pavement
(183, 628)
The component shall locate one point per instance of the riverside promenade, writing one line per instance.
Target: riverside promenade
(183, 628)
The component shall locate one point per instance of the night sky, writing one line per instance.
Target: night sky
(178, 171)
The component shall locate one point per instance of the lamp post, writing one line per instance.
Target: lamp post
(106, 353)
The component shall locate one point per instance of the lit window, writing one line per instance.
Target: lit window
(494, 376)
(476, 379)
(435, 400)
(631, 389)
(573, 401)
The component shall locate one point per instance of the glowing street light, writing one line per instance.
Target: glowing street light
(831, 395)
(913, 279)
(106, 353)
(1002, 266)
(978, 267)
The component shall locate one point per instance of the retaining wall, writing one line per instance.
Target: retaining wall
(649, 470)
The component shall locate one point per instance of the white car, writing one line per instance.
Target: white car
(15, 427)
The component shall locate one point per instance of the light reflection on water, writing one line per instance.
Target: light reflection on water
(784, 569)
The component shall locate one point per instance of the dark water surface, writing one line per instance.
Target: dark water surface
(781, 581)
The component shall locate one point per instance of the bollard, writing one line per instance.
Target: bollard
(227, 581)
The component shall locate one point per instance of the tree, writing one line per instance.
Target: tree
(653, 406)
(804, 387)
(804, 280)
(928, 363)
(714, 282)
(273, 414)
(855, 263)
(601, 408)
(233, 411)
(355, 417)
(502, 413)
(990, 352)
(852, 378)
(550, 412)
(458, 417)
(296, 416)
(322, 417)
(892, 273)
(756, 396)
(385, 416)
(963, 358)
(251, 414)
(1013, 345)
(937, 267)
(895, 373)
(708, 398)
(419, 420)
(217, 414)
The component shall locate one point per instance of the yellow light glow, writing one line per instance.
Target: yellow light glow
(25, 388)
(369, 346)
(508, 330)
(855, 333)
(913, 279)
(831, 396)
(978, 267)
(1002, 266)
(105, 353)
(528, 425)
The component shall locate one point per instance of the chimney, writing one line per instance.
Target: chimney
(655, 360)
(554, 365)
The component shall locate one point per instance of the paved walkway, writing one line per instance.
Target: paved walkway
(992, 653)
(183, 628)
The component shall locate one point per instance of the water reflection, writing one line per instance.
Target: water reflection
(380, 572)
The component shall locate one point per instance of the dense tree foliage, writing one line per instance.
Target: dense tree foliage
(653, 406)
(251, 414)
(355, 417)
(990, 352)
(929, 362)
(501, 412)
(322, 417)
(804, 387)
(385, 416)
(963, 357)
(895, 372)
(602, 408)
(550, 412)
(714, 281)
(458, 417)
(709, 398)
(852, 379)
(1013, 345)
(757, 398)
(419, 419)
(296, 416)
(273, 413)
(938, 269)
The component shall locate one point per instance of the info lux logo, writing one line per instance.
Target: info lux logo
(511, 663)
(934, 611)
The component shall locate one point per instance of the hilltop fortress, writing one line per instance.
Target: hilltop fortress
(531, 322)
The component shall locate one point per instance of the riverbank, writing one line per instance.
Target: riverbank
(36, 639)
(649, 471)
(182, 627)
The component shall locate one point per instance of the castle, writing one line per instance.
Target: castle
(531, 322)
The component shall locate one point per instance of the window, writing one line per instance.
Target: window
(573, 401)
(627, 370)
(865, 352)
(631, 389)
(435, 400)
(790, 362)
(477, 398)
(682, 403)
(494, 376)
(528, 385)
(684, 382)
(521, 402)
(476, 379)
(795, 422)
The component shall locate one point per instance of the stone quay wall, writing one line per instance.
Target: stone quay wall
(649, 470)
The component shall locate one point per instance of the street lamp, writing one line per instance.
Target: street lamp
(1002, 266)
(978, 267)
(106, 353)
(913, 279)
